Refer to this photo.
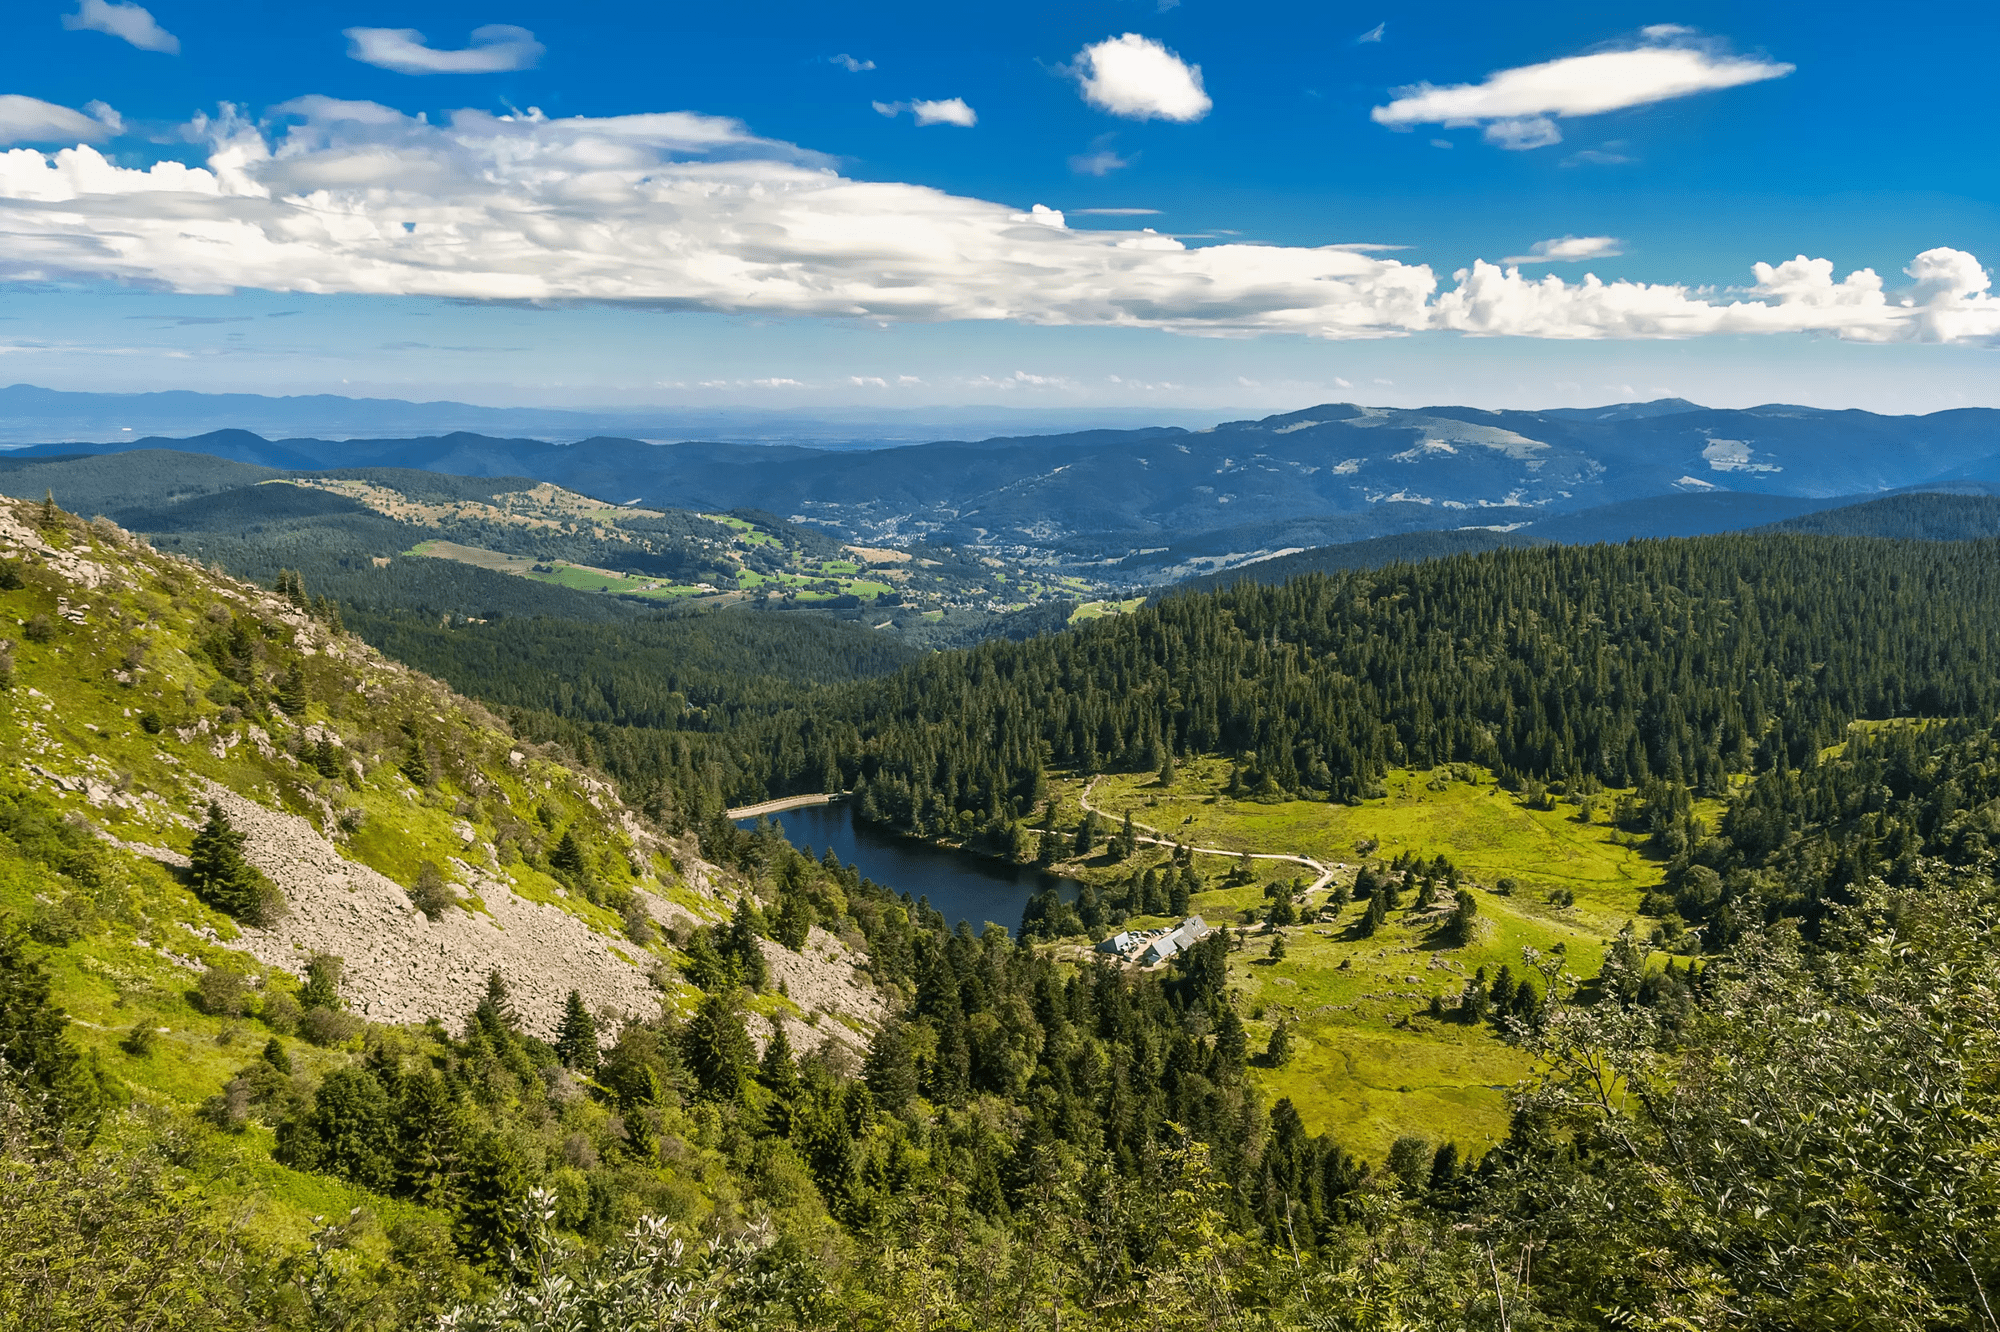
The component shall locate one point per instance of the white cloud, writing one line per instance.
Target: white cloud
(1518, 106)
(1608, 155)
(1442, 143)
(494, 49)
(128, 22)
(1522, 132)
(105, 115)
(1100, 163)
(868, 381)
(950, 111)
(1138, 78)
(1569, 250)
(678, 211)
(31, 120)
(1374, 34)
(850, 64)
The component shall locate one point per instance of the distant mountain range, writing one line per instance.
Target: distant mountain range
(1149, 505)
(31, 415)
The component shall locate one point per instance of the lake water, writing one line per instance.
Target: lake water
(960, 885)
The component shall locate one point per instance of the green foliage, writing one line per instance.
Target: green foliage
(717, 1049)
(37, 1057)
(220, 875)
(432, 894)
(576, 1040)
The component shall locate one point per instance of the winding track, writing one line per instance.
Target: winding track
(1158, 839)
(1155, 837)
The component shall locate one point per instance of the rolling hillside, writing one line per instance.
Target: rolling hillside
(1096, 498)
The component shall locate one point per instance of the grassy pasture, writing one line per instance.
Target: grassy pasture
(1368, 1063)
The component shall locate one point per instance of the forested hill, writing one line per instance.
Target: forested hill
(1676, 660)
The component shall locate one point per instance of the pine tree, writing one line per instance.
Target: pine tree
(717, 1049)
(218, 872)
(1279, 1050)
(429, 1134)
(576, 1039)
(1168, 773)
(892, 1075)
(1232, 1043)
(495, 1013)
(743, 947)
(34, 1035)
(292, 694)
(1180, 892)
(1458, 930)
(322, 987)
(776, 1070)
(569, 862)
(416, 763)
(51, 515)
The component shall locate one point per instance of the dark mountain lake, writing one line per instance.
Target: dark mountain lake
(960, 885)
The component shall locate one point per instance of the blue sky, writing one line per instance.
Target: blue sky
(804, 237)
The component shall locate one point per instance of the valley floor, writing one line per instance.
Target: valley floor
(1368, 1063)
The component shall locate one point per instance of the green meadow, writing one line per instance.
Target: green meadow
(1368, 1063)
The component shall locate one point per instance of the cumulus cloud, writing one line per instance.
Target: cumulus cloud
(949, 111)
(678, 211)
(494, 49)
(127, 22)
(1519, 107)
(1569, 250)
(850, 64)
(31, 120)
(1138, 78)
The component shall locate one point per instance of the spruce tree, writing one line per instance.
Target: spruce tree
(776, 1070)
(218, 872)
(717, 1049)
(322, 987)
(1278, 1052)
(576, 1039)
(744, 949)
(495, 1014)
(569, 863)
(292, 695)
(34, 1035)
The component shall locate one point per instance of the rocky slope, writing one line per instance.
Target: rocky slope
(142, 688)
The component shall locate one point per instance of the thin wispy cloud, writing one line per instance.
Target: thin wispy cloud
(1518, 108)
(677, 211)
(127, 22)
(1100, 163)
(497, 48)
(850, 64)
(1605, 156)
(31, 120)
(1569, 250)
(1374, 34)
(1140, 79)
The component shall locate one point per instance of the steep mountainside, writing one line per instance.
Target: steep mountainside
(144, 689)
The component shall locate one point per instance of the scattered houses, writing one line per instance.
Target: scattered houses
(1149, 948)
